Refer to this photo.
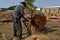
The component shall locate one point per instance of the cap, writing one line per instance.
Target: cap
(23, 3)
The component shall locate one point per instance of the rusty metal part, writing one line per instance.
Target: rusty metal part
(38, 21)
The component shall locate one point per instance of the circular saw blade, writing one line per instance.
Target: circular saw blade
(38, 21)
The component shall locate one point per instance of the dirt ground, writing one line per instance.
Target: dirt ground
(51, 31)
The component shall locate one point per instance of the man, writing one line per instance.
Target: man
(17, 15)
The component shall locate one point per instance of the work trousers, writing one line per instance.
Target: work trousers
(17, 26)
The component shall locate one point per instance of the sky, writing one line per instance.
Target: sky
(38, 3)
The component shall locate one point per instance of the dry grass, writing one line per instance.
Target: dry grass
(51, 33)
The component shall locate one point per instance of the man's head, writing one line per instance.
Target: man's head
(23, 4)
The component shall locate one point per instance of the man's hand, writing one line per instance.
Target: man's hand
(26, 16)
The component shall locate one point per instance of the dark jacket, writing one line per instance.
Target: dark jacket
(18, 12)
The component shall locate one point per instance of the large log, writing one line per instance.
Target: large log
(5, 17)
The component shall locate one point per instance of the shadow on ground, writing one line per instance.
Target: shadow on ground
(45, 30)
